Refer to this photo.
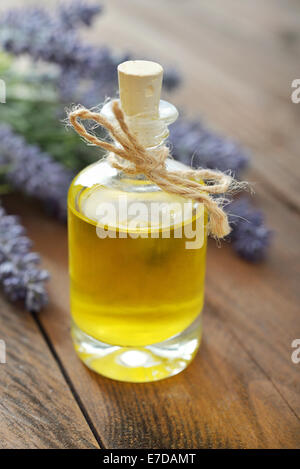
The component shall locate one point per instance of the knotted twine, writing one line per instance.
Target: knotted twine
(137, 159)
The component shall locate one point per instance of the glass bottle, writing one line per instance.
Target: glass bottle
(136, 253)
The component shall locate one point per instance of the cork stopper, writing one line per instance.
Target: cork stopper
(140, 84)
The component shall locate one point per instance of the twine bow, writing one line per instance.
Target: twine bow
(137, 159)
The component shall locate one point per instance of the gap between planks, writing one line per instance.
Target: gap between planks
(68, 381)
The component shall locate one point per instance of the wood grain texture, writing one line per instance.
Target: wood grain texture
(242, 390)
(37, 409)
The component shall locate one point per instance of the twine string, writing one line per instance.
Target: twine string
(136, 159)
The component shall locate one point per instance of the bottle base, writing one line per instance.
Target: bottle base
(139, 364)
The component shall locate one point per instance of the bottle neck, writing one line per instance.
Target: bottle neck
(151, 131)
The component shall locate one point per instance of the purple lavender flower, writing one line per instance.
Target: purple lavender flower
(250, 238)
(55, 39)
(68, 84)
(172, 78)
(78, 12)
(20, 277)
(34, 172)
(196, 146)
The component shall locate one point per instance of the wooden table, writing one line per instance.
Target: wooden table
(242, 390)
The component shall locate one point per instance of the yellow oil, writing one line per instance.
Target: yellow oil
(125, 291)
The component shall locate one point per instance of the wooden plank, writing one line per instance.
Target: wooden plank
(37, 409)
(261, 303)
(232, 396)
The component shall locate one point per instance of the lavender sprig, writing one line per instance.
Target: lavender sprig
(250, 238)
(75, 13)
(195, 145)
(54, 38)
(34, 172)
(20, 277)
(172, 78)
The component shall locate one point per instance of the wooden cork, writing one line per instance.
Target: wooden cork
(140, 84)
